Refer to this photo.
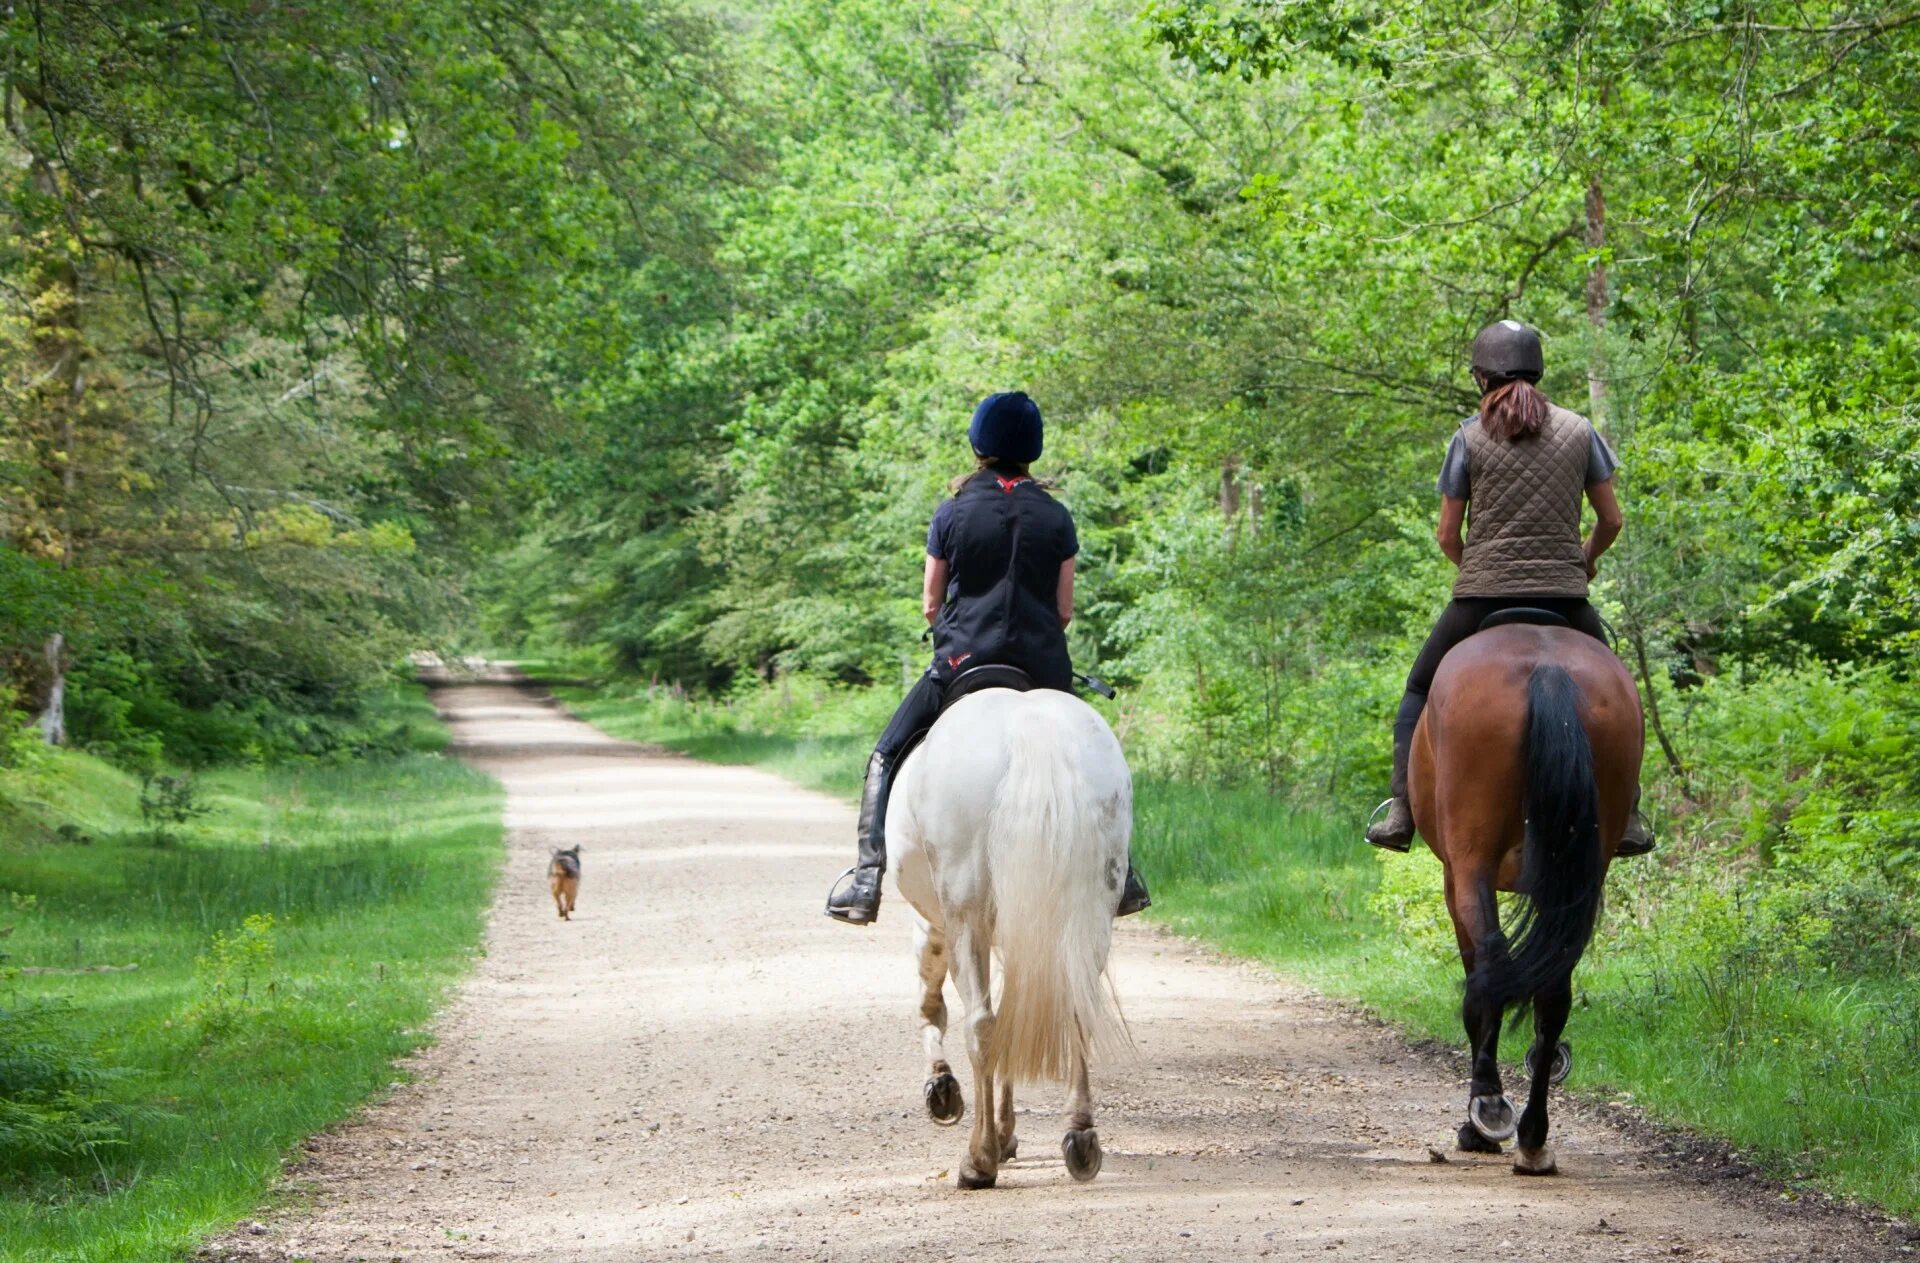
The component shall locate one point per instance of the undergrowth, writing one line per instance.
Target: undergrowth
(190, 992)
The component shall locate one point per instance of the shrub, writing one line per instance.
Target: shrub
(237, 977)
(167, 802)
(18, 741)
(53, 1108)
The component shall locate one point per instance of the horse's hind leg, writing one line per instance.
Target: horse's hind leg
(1533, 1156)
(970, 968)
(1081, 1145)
(942, 1091)
(1009, 1143)
(1476, 926)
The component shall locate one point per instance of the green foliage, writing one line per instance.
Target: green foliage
(291, 946)
(17, 741)
(167, 802)
(285, 289)
(1812, 771)
(54, 1108)
(236, 977)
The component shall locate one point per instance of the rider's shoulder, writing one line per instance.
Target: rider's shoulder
(1567, 416)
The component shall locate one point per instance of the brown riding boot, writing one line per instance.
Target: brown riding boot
(1638, 839)
(1395, 832)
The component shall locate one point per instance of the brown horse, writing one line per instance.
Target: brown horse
(1522, 779)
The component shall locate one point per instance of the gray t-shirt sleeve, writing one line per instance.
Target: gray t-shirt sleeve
(1601, 462)
(1453, 470)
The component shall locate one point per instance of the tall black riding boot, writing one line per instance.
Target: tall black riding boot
(1133, 894)
(1395, 832)
(859, 902)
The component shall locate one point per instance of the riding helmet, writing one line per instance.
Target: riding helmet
(1508, 349)
(1006, 426)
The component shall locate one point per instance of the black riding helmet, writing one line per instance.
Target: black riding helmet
(1509, 349)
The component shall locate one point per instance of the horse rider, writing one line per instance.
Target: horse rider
(998, 591)
(1523, 464)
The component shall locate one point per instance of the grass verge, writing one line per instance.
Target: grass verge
(288, 945)
(1804, 1070)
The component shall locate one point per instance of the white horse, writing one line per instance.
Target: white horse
(1009, 829)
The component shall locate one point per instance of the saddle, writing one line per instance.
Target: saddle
(992, 676)
(1523, 614)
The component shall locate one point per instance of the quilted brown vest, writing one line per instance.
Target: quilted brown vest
(1523, 515)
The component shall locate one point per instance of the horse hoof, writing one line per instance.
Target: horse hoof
(1471, 1141)
(944, 1102)
(1534, 1161)
(1081, 1149)
(970, 1178)
(1493, 1117)
(1562, 1064)
(1010, 1149)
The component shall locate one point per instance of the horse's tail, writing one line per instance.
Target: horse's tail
(1055, 853)
(1562, 866)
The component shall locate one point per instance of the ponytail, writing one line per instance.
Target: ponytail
(1513, 409)
(994, 465)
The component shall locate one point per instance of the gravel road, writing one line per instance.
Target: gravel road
(700, 1065)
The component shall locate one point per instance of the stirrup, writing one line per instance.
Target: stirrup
(1367, 833)
(839, 915)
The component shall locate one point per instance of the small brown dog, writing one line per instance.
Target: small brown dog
(563, 879)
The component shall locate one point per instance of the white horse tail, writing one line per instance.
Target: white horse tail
(1057, 847)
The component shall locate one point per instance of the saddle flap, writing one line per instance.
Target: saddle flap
(992, 676)
(1523, 614)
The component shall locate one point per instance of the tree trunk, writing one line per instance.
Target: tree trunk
(1230, 488)
(1597, 302)
(1674, 765)
(53, 719)
(58, 348)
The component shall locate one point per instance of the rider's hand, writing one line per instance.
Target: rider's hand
(1593, 568)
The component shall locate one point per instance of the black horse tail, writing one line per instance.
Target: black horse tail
(1562, 867)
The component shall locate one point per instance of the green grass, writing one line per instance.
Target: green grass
(1805, 1072)
(375, 875)
(829, 761)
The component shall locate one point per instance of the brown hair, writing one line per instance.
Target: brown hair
(1512, 409)
(1005, 467)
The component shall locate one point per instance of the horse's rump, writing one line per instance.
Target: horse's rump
(1016, 812)
(1057, 853)
(1470, 757)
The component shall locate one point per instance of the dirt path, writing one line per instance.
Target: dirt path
(702, 1066)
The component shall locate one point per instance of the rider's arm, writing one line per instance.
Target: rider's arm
(1453, 512)
(1065, 596)
(1607, 523)
(933, 592)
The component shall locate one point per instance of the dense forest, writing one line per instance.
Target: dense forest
(647, 332)
(333, 331)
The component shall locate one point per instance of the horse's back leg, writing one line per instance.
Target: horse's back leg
(1476, 926)
(970, 965)
(1009, 1143)
(1532, 1155)
(942, 1090)
(1081, 1145)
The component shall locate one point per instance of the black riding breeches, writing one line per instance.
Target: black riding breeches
(1461, 619)
(915, 715)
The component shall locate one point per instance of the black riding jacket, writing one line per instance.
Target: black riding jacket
(1004, 539)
